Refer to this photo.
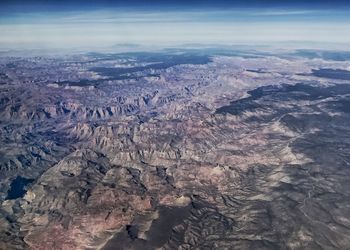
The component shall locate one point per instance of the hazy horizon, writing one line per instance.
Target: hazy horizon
(73, 24)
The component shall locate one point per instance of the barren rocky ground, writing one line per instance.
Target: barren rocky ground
(175, 150)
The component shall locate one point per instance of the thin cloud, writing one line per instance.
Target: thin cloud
(285, 12)
(108, 27)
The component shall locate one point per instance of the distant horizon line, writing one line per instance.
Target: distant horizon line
(138, 47)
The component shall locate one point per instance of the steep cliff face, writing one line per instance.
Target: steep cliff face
(185, 160)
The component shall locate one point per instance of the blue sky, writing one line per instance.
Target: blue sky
(160, 4)
(93, 24)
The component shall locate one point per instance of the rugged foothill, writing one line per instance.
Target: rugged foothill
(174, 150)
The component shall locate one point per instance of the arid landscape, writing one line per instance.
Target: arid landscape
(178, 149)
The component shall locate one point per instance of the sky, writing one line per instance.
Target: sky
(34, 24)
